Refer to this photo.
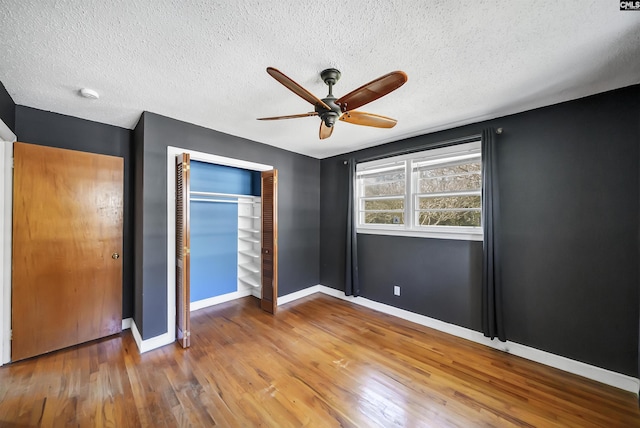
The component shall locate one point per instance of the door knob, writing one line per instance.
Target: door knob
(115, 256)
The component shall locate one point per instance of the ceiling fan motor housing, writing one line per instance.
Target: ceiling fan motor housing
(329, 76)
(329, 117)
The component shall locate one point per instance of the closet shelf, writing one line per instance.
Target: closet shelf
(248, 229)
(226, 195)
(250, 267)
(250, 280)
(250, 253)
(249, 237)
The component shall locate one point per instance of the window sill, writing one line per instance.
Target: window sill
(462, 236)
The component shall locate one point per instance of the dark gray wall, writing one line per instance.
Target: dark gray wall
(569, 187)
(7, 109)
(298, 209)
(138, 158)
(66, 132)
(437, 277)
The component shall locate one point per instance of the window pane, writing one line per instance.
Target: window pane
(384, 189)
(463, 168)
(449, 202)
(449, 218)
(384, 204)
(450, 184)
(383, 218)
(453, 178)
(389, 183)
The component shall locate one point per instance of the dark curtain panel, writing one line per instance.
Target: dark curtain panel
(492, 319)
(351, 283)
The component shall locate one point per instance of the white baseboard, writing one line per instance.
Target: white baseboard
(150, 344)
(126, 323)
(205, 303)
(300, 294)
(136, 335)
(579, 368)
(167, 338)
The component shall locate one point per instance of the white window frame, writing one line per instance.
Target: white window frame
(410, 228)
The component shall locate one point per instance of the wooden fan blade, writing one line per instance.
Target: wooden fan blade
(368, 119)
(372, 90)
(325, 131)
(296, 88)
(291, 116)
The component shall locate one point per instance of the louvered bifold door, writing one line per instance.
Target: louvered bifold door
(269, 300)
(183, 299)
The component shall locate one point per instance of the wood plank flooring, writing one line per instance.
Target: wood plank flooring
(321, 362)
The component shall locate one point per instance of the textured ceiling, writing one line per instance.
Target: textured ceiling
(204, 62)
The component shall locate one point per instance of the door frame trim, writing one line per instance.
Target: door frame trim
(172, 152)
(7, 138)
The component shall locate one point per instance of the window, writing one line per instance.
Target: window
(383, 194)
(433, 193)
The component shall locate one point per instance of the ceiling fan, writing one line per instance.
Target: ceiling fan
(331, 108)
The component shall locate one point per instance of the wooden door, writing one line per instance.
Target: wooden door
(269, 269)
(183, 246)
(67, 248)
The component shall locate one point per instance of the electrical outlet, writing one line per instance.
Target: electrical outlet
(396, 290)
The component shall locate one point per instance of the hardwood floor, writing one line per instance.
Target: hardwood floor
(320, 362)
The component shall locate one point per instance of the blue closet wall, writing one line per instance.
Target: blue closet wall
(214, 228)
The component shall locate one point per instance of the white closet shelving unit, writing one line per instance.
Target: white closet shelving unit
(249, 245)
(249, 228)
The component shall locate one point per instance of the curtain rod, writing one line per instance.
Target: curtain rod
(437, 145)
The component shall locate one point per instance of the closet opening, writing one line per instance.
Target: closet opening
(224, 239)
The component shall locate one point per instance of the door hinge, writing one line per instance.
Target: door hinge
(187, 333)
(187, 250)
(186, 167)
(10, 334)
